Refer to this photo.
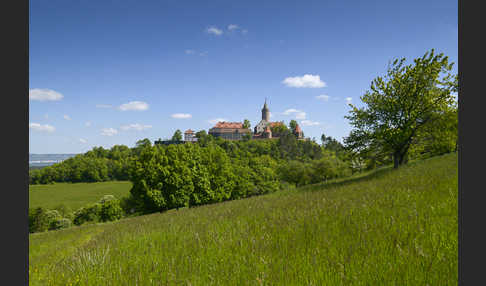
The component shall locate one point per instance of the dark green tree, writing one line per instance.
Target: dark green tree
(177, 136)
(293, 125)
(400, 104)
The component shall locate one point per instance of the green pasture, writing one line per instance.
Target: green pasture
(75, 195)
(390, 227)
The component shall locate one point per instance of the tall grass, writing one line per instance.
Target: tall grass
(394, 227)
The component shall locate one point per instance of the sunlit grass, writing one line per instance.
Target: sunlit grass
(393, 227)
(75, 195)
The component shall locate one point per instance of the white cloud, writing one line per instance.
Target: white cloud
(66, 117)
(306, 80)
(203, 54)
(348, 100)
(214, 30)
(42, 128)
(103, 106)
(298, 113)
(323, 97)
(88, 124)
(216, 120)
(83, 140)
(190, 52)
(109, 131)
(309, 123)
(136, 126)
(134, 105)
(181, 115)
(244, 32)
(291, 110)
(232, 27)
(44, 94)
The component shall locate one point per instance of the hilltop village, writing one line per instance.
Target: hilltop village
(238, 130)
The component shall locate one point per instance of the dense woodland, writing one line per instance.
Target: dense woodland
(408, 114)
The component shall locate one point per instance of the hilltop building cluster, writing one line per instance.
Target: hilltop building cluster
(238, 131)
(263, 130)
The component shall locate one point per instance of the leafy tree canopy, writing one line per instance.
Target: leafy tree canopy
(177, 136)
(400, 104)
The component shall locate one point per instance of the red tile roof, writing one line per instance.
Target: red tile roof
(273, 124)
(188, 131)
(237, 125)
(267, 129)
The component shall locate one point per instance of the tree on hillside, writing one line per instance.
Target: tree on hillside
(246, 124)
(279, 129)
(293, 125)
(400, 104)
(177, 136)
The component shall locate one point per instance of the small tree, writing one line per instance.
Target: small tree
(111, 210)
(246, 124)
(401, 104)
(293, 125)
(177, 136)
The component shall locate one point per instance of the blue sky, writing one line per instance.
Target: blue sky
(113, 72)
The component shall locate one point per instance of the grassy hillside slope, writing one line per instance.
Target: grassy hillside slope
(396, 227)
(75, 195)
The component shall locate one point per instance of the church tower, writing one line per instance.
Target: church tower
(265, 112)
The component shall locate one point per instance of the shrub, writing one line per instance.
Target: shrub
(38, 220)
(129, 205)
(60, 223)
(64, 211)
(90, 213)
(111, 210)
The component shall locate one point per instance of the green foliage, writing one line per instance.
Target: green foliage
(110, 210)
(301, 173)
(293, 125)
(400, 105)
(89, 213)
(38, 220)
(41, 219)
(177, 136)
(279, 129)
(60, 223)
(64, 211)
(246, 124)
(388, 227)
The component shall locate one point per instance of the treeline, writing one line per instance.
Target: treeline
(97, 165)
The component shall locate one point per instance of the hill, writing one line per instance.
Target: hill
(393, 227)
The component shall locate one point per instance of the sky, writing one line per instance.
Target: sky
(104, 73)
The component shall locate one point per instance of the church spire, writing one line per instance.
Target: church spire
(265, 111)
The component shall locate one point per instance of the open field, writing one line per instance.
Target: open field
(393, 227)
(75, 195)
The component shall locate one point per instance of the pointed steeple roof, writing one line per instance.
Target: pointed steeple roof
(265, 105)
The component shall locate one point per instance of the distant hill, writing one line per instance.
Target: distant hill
(42, 160)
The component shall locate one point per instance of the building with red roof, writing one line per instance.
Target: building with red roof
(229, 130)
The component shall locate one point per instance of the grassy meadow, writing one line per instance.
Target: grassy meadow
(391, 227)
(75, 195)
